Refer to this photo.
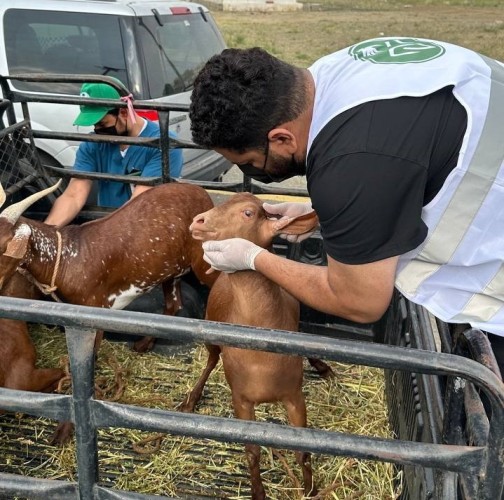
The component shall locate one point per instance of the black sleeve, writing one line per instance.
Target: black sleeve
(369, 206)
(372, 168)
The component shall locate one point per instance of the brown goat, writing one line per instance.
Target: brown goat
(249, 298)
(17, 352)
(108, 262)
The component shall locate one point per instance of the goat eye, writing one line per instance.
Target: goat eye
(248, 213)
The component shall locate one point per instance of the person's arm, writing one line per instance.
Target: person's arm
(148, 158)
(68, 205)
(358, 293)
(139, 190)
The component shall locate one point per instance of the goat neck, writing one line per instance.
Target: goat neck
(42, 257)
(249, 298)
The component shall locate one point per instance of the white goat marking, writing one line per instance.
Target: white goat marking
(121, 299)
(174, 290)
(22, 231)
(45, 246)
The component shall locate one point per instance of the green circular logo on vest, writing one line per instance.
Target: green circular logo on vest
(396, 51)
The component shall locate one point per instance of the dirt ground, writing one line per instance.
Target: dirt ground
(302, 37)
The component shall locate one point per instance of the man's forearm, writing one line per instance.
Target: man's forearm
(310, 284)
(63, 211)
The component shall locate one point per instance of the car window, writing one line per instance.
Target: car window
(176, 49)
(63, 42)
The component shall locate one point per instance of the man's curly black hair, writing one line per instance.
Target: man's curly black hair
(240, 95)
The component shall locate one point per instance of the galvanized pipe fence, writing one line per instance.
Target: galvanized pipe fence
(484, 461)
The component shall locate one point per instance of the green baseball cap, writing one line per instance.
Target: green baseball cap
(90, 115)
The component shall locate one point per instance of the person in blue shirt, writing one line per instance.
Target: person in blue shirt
(110, 158)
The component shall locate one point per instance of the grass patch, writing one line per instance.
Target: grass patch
(302, 37)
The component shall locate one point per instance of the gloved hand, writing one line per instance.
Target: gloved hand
(290, 210)
(235, 254)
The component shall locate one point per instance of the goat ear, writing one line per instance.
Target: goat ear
(16, 248)
(297, 225)
(2, 195)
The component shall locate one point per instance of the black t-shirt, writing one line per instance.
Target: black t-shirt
(372, 168)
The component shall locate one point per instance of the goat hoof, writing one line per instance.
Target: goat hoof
(259, 495)
(323, 369)
(328, 373)
(62, 434)
(144, 345)
(186, 407)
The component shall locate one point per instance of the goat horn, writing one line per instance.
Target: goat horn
(2, 195)
(13, 212)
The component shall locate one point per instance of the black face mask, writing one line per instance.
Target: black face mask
(106, 130)
(112, 130)
(290, 168)
(260, 175)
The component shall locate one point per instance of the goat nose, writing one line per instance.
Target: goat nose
(199, 219)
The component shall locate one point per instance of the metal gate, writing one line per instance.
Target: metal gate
(483, 461)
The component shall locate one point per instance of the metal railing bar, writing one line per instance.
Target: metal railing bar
(20, 97)
(102, 493)
(20, 184)
(53, 406)
(196, 330)
(129, 179)
(362, 353)
(44, 489)
(446, 457)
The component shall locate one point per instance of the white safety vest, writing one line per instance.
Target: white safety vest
(457, 273)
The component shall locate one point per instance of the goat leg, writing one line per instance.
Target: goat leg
(322, 368)
(98, 341)
(195, 395)
(172, 304)
(145, 344)
(304, 461)
(253, 453)
(46, 379)
(244, 410)
(296, 413)
(62, 434)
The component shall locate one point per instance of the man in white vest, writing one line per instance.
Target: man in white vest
(402, 143)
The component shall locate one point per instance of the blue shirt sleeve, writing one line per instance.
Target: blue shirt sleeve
(153, 162)
(85, 160)
(176, 160)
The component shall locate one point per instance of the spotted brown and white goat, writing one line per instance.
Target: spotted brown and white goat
(249, 298)
(110, 261)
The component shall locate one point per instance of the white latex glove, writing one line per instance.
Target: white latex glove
(290, 210)
(235, 254)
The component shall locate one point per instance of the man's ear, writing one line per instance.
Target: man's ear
(282, 140)
(296, 225)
